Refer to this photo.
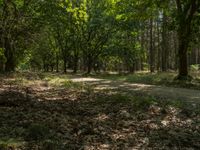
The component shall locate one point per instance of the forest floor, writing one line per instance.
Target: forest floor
(157, 91)
(58, 112)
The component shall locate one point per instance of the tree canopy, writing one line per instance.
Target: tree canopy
(108, 35)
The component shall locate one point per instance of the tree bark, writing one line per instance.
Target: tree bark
(1, 66)
(75, 64)
(164, 44)
(152, 52)
(89, 65)
(185, 18)
(57, 63)
(9, 54)
(183, 61)
(64, 65)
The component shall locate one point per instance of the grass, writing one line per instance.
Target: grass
(56, 80)
(143, 77)
(62, 80)
(165, 79)
(10, 143)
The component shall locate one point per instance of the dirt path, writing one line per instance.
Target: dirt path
(152, 90)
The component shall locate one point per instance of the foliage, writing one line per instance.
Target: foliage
(116, 35)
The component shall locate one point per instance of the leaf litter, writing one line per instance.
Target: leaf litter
(47, 117)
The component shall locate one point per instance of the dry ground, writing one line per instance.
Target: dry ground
(49, 112)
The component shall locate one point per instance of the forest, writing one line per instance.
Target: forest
(100, 35)
(99, 74)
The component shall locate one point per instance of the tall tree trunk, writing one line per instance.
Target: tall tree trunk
(184, 34)
(1, 66)
(44, 65)
(75, 64)
(89, 64)
(65, 65)
(132, 68)
(164, 43)
(9, 54)
(142, 49)
(57, 63)
(52, 68)
(176, 50)
(158, 48)
(183, 61)
(186, 13)
(152, 52)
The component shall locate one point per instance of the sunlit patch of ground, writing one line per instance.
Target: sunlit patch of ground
(163, 92)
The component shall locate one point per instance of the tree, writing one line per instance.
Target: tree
(16, 28)
(186, 14)
(2, 60)
(97, 31)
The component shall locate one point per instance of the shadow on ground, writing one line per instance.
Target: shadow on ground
(59, 118)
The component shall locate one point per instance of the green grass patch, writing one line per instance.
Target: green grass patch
(165, 79)
(139, 103)
(10, 143)
(147, 78)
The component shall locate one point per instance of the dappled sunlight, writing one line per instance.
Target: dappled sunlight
(102, 117)
(98, 126)
(93, 118)
(99, 74)
(86, 79)
(144, 89)
(104, 87)
(98, 147)
(12, 143)
(136, 87)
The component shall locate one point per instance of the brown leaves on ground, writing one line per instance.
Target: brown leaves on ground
(61, 118)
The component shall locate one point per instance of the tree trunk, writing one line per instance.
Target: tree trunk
(184, 34)
(75, 64)
(10, 61)
(142, 49)
(1, 66)
(89, 65)
(64, 65)
(164, 44)
(185, 23)
(132, 68)
(158, 49)
(183, 61)
(57, 63)
(152, 53)
(52, 68)
(176, 51)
